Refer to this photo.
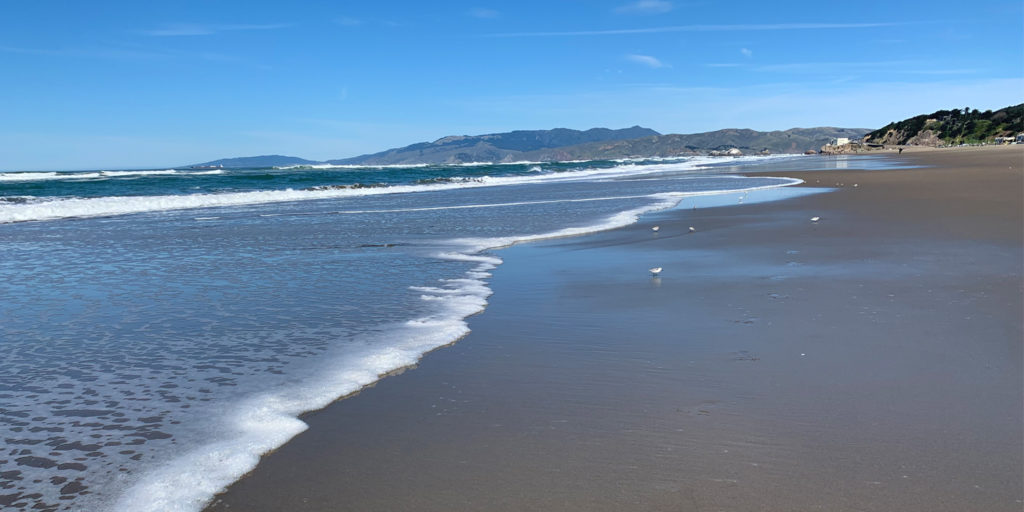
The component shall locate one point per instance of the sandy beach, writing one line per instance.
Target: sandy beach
(869, 361)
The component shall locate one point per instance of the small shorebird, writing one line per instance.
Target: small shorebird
(655, 228)
(655, 271)
(692, 229)
(815, 219)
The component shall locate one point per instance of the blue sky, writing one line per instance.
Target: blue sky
(119, 84)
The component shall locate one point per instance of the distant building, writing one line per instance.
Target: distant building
(839, 141)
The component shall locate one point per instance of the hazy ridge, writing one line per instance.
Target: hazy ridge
(562, 144)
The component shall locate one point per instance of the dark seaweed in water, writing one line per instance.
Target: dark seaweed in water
(454, 179)
(16, 199)
(343, 187)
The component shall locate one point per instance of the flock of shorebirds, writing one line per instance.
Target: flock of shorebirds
(657, 270)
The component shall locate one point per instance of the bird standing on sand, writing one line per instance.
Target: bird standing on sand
(815, 219)
(655, 271)
(655, 228)
(692, 229)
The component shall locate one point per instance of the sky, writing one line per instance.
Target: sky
(129, 84)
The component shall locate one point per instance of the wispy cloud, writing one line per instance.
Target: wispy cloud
(645, 7)
(204, 29)
(130, 53)
(704, 28)
(482, 13)
(909, 67)
(750, 105)
(347, 21)
(722, 65)
(746, 52)
(647, 60)
(92, 52)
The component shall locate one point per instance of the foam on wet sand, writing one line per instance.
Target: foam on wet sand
(869, 361)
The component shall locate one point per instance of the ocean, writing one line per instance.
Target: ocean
(161, 329)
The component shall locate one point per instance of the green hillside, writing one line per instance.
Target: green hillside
(952, 127)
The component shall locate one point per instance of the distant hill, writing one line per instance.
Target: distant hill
(750, 142)
(256, 161)
(566, 144)
(951, 127)
(494, 147)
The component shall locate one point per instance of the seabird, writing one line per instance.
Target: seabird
(655, 271)
(815, 219)
(692, 229)
(655, 228)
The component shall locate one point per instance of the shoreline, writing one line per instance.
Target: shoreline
(515, 398)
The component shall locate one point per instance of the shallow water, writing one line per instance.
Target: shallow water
(148, 359)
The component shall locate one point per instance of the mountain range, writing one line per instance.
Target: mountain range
(567, 144)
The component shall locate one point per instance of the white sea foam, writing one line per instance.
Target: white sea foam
(120, 205)
(138, 173)
(660, 201)
(268, 420)
(45, 176)
(412, 166)
(50, 176)
(94, 175)
(27, 176)
(347, 166)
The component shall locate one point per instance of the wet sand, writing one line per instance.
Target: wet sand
(871, 361)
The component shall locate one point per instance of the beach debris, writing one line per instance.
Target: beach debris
(692, 229)
(655, 228)
(746, 355)
(855, 185)
(815, 219)
(655, 271)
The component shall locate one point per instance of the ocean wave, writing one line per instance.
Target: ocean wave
(29, 176)
(411, 166)
(119, 174)
(18, 199)
(64, 208)
(78, 175)
(660, 201)
(347, 166)
(266, 421)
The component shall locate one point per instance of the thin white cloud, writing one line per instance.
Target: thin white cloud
(202, 29)
(845, 66)
(758, 106)
(722, 65)
(645, 7)
(346, 21)
(129, 53)
(646, 60)
(704, 28)
(92, 53)
(746, 52)
(908, 67)
(482, 13)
